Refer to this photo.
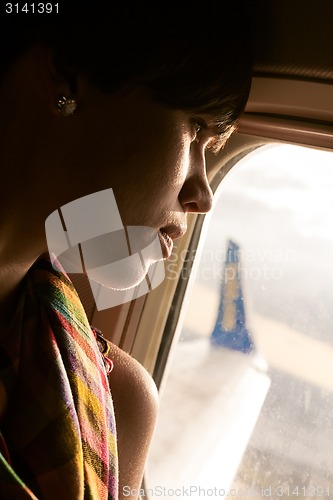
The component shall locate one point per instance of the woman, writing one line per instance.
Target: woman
(95, 97)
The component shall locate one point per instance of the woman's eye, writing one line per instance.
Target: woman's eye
(198, 127)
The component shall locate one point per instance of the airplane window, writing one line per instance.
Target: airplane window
(247, 406)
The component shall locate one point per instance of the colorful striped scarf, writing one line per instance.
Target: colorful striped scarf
(58, 434)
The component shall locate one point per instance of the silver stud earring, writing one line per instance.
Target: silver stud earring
(66, 106)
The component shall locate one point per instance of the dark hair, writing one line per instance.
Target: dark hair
(190, 57)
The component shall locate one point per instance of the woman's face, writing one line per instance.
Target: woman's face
(151, 156)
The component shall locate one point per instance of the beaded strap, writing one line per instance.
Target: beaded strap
(104, 348)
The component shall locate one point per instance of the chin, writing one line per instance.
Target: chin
(123, 274)
(113, 256)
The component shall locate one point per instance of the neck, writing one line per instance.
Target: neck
(11, 277)
(20, 245)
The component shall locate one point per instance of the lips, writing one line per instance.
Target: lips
(166, 244)
(167, 234)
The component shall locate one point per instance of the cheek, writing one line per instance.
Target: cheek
(171, 175)
(152, 173)
(176, 162)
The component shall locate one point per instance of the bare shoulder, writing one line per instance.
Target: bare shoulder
(129, 380)
(135, 399)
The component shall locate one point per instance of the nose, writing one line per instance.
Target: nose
(196, 195)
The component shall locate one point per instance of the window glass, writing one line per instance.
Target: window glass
(247, 408)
